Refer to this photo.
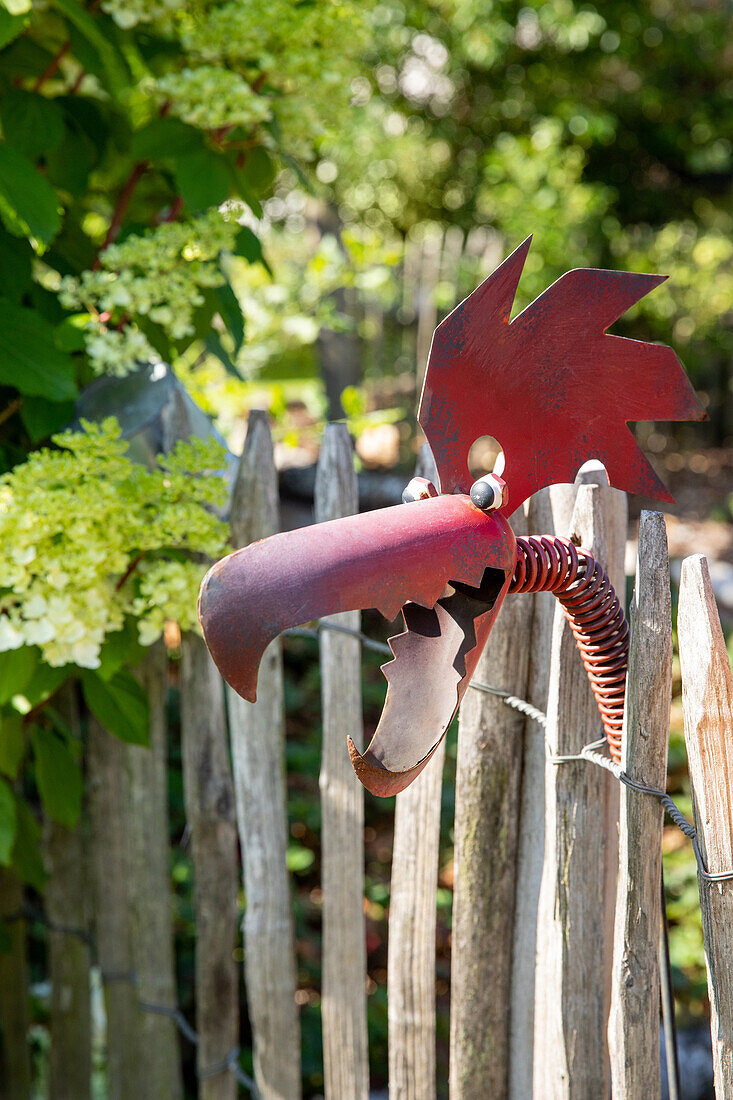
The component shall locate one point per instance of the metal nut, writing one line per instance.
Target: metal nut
(418, 488)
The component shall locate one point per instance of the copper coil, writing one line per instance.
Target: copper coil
(549, 563)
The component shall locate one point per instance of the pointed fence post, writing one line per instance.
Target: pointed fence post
(15, 1055)
(412, 918)
(486, 834)
(149, 888)
(551, 512)
(548, 512)
(633, 1031)
(343, 1003)
(572, 983)
(108, 814)
(209, 798)
(258, 750)
(707, 702)
(67, 907)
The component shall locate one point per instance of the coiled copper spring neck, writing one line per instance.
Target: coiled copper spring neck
(548, 563)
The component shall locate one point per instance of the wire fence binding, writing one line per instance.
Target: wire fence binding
(590, 753)
(230, 1063)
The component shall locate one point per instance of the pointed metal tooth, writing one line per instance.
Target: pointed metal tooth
(434, 660)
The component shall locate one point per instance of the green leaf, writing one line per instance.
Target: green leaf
(17, 257)
(215, 346)
(231, 313)
(158, 338)
(86, 138)
(241, 187)
(111, 62)
(27, 861)
(203, 314)
(247, 246)
(16, 669)
(30, 360)
(71, 251)
(42, 418)
(202, 179)
(58, 777)
(47, 304)
(70, 335)
(10, 26)
(29, 206)
(8, 822)
(12, 744)
(119, 704)
(166, 137)
(122, 647)
(45, 682)
(25, 58)
(259, 170)
(32, 123)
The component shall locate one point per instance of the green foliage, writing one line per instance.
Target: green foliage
(68, 585)
(26, 859)
(32, 362)
(29, 206)
(7, 822)
(58, 776)
(12, 744)
(16, 670)
(602, 129)
(120, 704)
(138, 114)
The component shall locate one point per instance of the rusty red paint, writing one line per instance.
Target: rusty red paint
(551, 386)
(379, 559)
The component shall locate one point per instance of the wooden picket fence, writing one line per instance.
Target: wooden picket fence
(556, 909)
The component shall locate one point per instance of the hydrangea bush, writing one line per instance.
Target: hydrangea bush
(71, 580)
(139, 140)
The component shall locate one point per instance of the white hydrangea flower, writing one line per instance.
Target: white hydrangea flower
(38, 632)
(10, 636)
(68, 596)
(128, 13)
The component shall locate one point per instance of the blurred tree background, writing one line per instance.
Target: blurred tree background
(280, 200)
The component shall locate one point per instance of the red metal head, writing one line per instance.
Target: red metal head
(555, 390)
(551, 386)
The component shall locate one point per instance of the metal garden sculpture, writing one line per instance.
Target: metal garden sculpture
(555, 390)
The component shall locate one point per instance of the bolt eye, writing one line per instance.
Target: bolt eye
(489, 492)
(483, 494)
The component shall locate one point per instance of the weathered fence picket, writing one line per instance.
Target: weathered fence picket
(108, 820)
(15, 1055)
(570, 1052)
(258, 752)
(67, 906)
(485, 862)
(343, 987)
(633, 1031)
(412, 918)
(707, 700)
(149, 890)
(210, 816)
(548, 512)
